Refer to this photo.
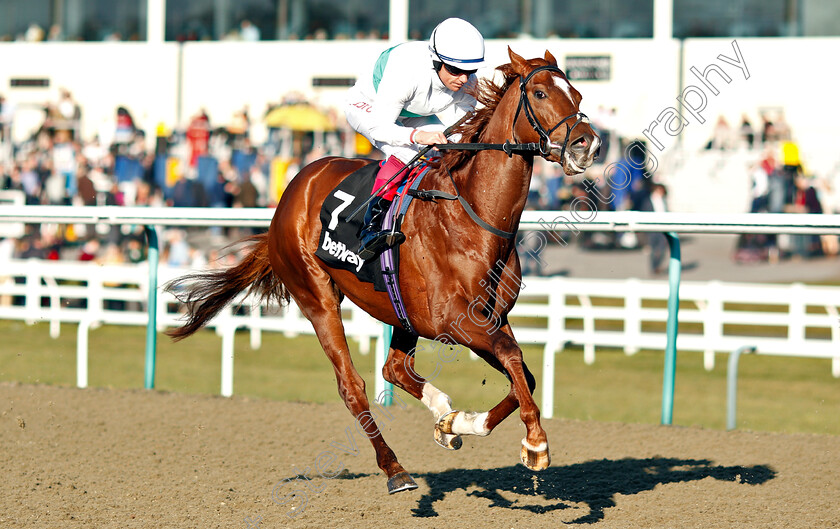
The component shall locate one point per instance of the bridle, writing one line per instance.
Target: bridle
(545, 143)
(544, 146)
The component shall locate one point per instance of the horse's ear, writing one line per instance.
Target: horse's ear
(549, 58)
(520, 65)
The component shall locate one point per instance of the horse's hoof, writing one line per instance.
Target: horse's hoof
(400, 482)
(535, 458)
(447, 440)
(444, 424)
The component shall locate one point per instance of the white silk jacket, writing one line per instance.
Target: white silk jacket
(403, 84)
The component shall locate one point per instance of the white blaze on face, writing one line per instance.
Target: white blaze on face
(563, 85)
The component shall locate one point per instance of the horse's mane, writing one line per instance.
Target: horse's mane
(488, 94)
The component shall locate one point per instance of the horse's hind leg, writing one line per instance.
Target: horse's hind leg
(320, 304)
(399, 370)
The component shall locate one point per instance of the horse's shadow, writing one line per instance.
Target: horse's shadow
(594, 483)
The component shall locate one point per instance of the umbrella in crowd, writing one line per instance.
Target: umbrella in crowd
(301, 117)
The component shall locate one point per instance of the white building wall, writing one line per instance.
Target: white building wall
(793, 73)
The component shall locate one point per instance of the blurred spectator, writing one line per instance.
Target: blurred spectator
(627, 179)
(760, 184)
(55, 33)
(64, 165)
(30, 180)
(125, 129)
(721, 135)
(239, 129)
(162, 135)
(177, 250)
(747, 132)
(655, 200)
(759, 247)
(198, 136)
(34, 33)
(791, 168)
(768, 131)
(90, 250)
(782, 129)
(188, 193)
(86, 191)
(248, 31)
(247, 195)
(806, 201)
(135, 250)
(7, 111)
(68, 115)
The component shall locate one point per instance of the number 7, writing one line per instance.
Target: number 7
(346, 199)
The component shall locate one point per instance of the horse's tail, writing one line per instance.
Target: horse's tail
(208, 292)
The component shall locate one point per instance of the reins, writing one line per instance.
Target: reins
(542, 147)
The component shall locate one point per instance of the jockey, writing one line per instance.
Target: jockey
(414, 92)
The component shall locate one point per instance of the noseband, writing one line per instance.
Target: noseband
(545, 139)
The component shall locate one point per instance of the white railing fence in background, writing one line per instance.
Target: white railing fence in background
(715, 317)
(567, 223)
(88, 294)
(793, 320)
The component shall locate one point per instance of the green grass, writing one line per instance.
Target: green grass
(775, 393)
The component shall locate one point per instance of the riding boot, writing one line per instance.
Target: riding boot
(374, 241)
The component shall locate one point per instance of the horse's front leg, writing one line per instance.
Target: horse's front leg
(399, 370)
(470, 423)
(502, 352)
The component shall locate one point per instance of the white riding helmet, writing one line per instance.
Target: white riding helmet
(457, 43)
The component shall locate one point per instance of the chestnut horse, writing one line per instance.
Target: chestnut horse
(459, 280)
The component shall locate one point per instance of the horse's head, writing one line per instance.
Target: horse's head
(548, 112)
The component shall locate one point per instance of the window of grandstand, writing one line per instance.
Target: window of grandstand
(539, 18)
(69, 20)
(18, 17)
(756, 18)
(251, 20)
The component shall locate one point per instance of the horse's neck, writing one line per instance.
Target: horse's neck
(495, 184)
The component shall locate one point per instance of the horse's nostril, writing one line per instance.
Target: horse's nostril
(580, 144)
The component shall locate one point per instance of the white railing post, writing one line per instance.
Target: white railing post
(82, 335)
(835, 338)
(226, 327)
(55, 307)
(632, 316)
(712, 323)
(556, 318)
(254, 318)
(588, 329)
(32, 299)
(796, 328)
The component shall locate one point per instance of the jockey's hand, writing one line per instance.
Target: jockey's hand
(424, 137)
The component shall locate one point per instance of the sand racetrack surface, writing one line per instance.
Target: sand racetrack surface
(124, 459)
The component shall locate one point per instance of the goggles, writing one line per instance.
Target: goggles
(457, 72)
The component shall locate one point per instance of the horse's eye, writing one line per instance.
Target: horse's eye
(539, 94)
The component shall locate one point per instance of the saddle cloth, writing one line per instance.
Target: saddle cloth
(339, 240)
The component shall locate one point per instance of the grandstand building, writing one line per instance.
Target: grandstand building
(665, 72)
